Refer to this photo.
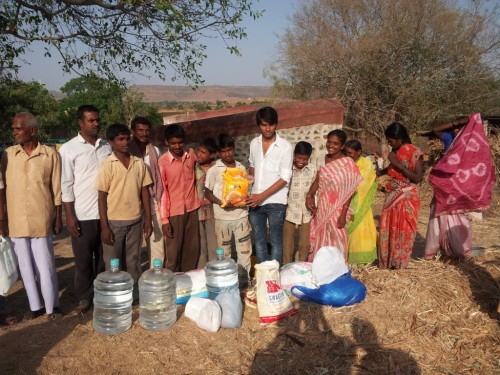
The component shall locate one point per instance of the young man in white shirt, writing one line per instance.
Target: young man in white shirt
(80, 160)
(271, 158)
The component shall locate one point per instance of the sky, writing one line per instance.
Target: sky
(219, 68)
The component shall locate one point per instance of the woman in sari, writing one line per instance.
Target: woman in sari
(398, 221)
(335, 183)
(362, 234)
(463, 181)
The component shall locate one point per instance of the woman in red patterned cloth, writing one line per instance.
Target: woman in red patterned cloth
(398, 221)
(336, 181)
(463, 181)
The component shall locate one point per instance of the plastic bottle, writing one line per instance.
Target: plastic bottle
(220, 273)
(113, 300)
(222, 284)
(157, 309)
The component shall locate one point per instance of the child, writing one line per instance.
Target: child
(297, 215)
(179, 203)
(122, 182)
(208, 243)
(229, 221)
(271, 166)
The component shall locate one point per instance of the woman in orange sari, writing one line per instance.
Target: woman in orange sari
(398, 221)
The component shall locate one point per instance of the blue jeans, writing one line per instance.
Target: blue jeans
(259, 216)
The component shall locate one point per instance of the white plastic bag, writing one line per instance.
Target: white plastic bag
(296, 274)
(328, 264)
(230, 303)
(272, 301)
(206, 313)
(190, 284)
(8, 266)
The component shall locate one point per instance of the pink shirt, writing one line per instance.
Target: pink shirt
(179, 184)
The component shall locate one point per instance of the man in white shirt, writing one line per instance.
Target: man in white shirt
(80, 160)
(142, 147)
(271, 158)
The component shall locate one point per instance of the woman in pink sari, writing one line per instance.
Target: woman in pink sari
(336, 181)
(398, 221)
(462, 180)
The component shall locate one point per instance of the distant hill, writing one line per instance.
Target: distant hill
(57, 94)
(230, 94)
(158, 93)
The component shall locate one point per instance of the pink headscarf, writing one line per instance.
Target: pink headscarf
(463, 178)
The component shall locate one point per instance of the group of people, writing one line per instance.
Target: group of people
(117, 192)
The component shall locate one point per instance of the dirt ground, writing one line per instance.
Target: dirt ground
(432, 318)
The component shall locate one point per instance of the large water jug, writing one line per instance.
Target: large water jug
(157, 297)
(220, 273)
(113, 300)
(222, 285)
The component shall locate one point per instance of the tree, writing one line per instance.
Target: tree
(103, 93)
(17, 96)
(116, 103)
(386, 60)
(126, 35)
(134, 106)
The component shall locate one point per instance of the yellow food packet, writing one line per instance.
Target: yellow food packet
(234, 187)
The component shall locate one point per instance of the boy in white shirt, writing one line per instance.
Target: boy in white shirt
(229, 221)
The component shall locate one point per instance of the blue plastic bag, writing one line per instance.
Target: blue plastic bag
(343, 291)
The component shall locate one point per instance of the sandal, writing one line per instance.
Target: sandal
(56, 313)
(30, 315)
(8, 320)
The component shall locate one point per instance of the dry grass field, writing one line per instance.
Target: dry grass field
(432, 318)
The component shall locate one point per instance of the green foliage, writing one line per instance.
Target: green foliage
(17, 96)
(202, 106)
(102, 93)
(220, 104)
(130, 36)
(386, 60)
(115, 102)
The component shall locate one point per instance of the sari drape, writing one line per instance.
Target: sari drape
(362, 234)
(462, 181)
(398, 221)
(338, 180)
(463, 178)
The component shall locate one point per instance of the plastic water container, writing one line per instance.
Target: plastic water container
(221, 276)
(157, 309)
(220, 273)
(113, 300)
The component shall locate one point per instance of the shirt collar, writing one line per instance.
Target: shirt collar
(303, 169)
(278, 141)
(133, 158)
(37, 151)
(98, 142)
(170, 157)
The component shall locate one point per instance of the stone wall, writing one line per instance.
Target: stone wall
(298, 121)
(315, 134)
